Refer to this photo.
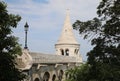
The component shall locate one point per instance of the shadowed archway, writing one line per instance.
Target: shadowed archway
(46, 76)
(54, 77)
(60, 75)
(36, 79)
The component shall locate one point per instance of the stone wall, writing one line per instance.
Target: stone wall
(50, 58)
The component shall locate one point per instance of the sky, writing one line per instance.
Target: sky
(46, 18)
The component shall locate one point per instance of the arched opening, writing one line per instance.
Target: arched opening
(54, 77)
(67, 52)
(46, 76)
(67, 76)
(62, 51)
(60, 75)
(76, 51)
(36, 79)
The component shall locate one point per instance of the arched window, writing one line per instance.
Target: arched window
(60, 75)
(76, 51)
(54, 77)
(46, 76)
(36, 79)
(67, 52)
(62, 51)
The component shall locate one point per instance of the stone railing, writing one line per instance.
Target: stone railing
(50, 58)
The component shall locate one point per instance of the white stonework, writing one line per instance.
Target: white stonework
(67, 35)
(52, 67)
(25, 60)
(67, 44)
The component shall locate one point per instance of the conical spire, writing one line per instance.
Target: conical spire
(67, 36)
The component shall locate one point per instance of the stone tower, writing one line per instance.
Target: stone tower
(67, 44)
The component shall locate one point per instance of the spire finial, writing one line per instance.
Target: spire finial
(67, 20)
(68, 11)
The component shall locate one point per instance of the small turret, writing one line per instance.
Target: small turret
(67, 35)
(67, 44)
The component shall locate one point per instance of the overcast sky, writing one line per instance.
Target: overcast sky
(46, 19)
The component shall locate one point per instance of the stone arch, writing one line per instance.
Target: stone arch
(62, 51)
(46, 76)
(66, 75)
(60, 75)
(67, 52)
(54, 77)
(76, 51)
(36, 79)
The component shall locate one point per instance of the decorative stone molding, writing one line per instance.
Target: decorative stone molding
(24, 61)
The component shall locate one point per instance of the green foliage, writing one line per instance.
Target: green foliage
(104, 32)
(78, 73)
(9, 46)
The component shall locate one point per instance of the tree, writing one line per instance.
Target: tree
(79, 73)
(104, 33)
(9, 47)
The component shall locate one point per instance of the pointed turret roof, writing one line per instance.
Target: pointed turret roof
(67, 35)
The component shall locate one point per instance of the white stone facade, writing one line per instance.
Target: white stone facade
(52, 67)
(67, 44)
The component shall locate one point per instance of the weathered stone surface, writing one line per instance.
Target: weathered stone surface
(52, 67)
(67, 35)
(50, 58)
(25, 60)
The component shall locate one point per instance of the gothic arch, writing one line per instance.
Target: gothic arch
(54, 77)
(76, 51)
(60, 76)
(67, 52)
(36, 79)
(62, 51)
(46, 76)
